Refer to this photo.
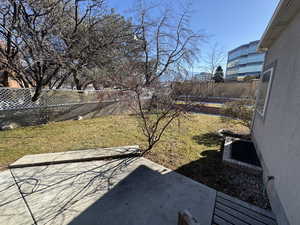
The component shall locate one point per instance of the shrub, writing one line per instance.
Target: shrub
(242, 110)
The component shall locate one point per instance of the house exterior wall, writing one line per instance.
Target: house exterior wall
(277, 134)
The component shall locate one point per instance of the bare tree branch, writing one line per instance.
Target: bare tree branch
(214, 57)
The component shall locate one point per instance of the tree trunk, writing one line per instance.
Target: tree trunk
(77, 81)
(37, 93)
(62, 81)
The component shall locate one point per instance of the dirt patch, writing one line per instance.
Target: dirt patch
(201, 109)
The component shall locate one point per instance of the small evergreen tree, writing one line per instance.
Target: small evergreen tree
(219, 75)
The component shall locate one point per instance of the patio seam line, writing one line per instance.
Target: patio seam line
(23, 197)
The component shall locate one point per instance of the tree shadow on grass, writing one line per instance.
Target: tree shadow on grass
(209, 139)
(207, 169)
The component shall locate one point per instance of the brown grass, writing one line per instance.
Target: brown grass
(190, 146)
(176, 148)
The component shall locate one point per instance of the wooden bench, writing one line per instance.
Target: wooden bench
(229, 210)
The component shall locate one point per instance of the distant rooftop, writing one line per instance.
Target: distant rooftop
(244, 45)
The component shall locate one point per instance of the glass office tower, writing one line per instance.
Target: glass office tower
(244, 61)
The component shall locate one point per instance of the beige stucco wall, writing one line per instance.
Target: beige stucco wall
(277, 135)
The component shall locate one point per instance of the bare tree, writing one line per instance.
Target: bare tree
(59, 40)
(28, 29)
(214, 57)
(168, 47)
(95, 39)
(48, 42)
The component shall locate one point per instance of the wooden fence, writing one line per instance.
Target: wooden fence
(211, 89)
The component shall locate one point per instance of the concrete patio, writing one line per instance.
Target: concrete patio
(61, 190)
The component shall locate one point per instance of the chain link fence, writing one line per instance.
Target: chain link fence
(12, 99)
(17, 107)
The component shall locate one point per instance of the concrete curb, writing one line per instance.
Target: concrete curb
(134, 152)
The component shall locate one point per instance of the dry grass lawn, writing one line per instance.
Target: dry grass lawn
(180, 144)
(190, 146)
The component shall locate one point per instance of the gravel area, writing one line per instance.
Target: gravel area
(211, 171)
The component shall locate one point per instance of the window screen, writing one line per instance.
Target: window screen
(264, 91)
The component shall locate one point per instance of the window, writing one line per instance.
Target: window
(232, 71)
(251, 68)
(264, 91)
(233, 63)
(253, 58)
(252, 48)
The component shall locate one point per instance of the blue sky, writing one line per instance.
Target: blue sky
(230, 23)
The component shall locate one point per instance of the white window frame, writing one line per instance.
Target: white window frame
(262, 114)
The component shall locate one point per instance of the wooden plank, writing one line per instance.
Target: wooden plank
(263, 218)
(229, 218)
(239, 215)
(220, 221)
(246, 205)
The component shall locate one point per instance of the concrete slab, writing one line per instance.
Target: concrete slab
(12, 206)
(78, 155)
(132, 191)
